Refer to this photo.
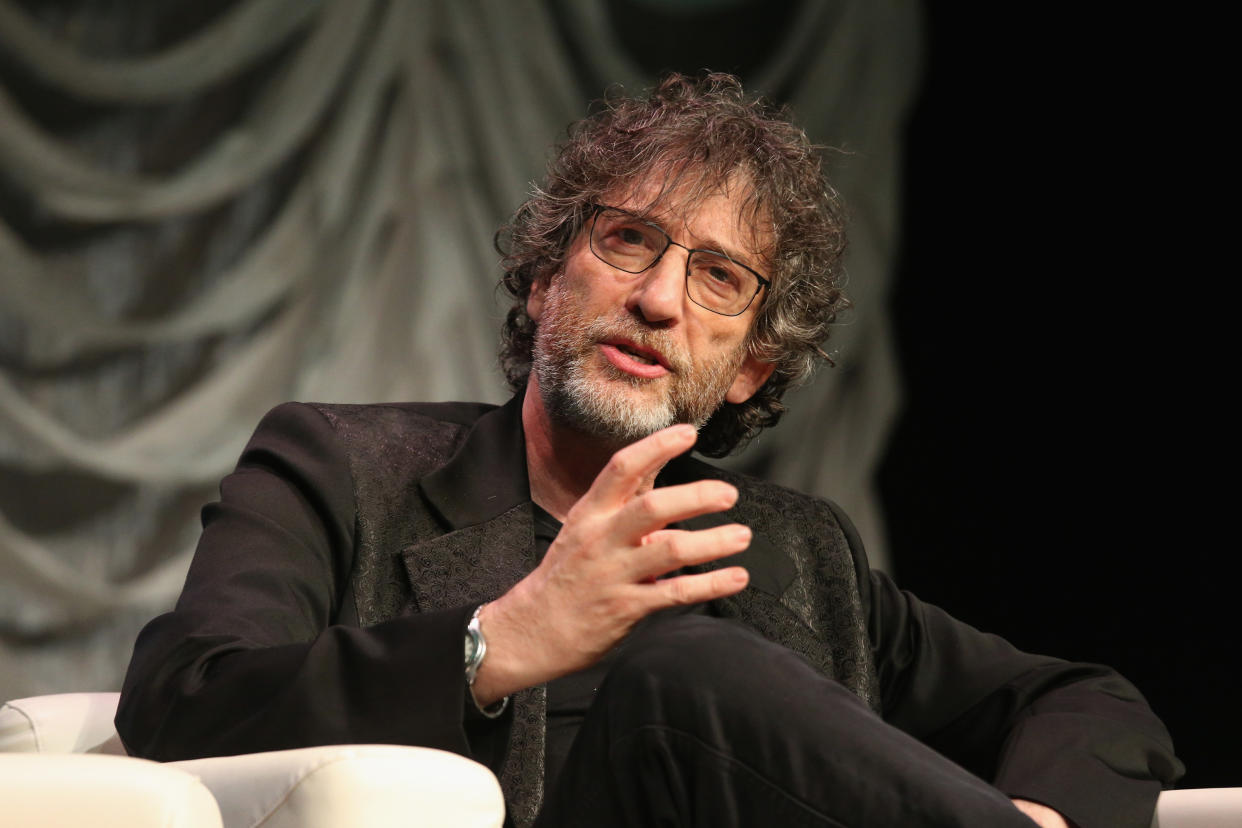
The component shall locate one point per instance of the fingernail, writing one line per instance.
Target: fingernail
(742, 534)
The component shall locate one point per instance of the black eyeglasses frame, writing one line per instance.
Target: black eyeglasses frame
(690, 251)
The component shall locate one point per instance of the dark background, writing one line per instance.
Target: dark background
(1056, 475)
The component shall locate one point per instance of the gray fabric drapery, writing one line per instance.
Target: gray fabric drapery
(296, 200)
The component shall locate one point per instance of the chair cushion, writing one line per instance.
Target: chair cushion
(62, 723)
(1199, 808)
(373, 785)
(70, 790)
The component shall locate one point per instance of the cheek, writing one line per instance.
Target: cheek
(724, 337)
(594, 293)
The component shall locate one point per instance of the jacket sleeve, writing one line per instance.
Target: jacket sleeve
(253, 658)
(1076, 737)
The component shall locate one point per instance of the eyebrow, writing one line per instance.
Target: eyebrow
(713, 246)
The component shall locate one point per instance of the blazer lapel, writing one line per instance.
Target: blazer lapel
(473, 564)
(483, 498)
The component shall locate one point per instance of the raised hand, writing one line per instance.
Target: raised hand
(602, 573)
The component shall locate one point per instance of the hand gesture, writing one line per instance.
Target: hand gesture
(603, 572)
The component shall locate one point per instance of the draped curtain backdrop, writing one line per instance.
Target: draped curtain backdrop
(208, 209)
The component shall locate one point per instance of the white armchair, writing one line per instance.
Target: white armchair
(60, 760)
(61, 763)
(1199, 808)
(101, 791)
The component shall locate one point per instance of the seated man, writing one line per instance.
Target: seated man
(648, 639)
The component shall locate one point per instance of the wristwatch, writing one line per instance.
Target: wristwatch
(476, 646)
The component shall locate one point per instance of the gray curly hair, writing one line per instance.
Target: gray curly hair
(695, 136)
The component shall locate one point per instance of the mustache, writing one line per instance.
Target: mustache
(600, 329)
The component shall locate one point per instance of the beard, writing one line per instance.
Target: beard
(590, 395)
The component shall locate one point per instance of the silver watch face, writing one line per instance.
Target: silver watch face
(472, 647)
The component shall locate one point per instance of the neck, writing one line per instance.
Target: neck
(561, 462)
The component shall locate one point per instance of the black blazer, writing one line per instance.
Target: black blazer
(328, 599)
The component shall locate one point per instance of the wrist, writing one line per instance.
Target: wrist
(487, 687)
(505, 670)
(476, 650)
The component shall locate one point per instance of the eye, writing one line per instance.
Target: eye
(626, 242)
(716, 274)
(628, 234)
(625, 233)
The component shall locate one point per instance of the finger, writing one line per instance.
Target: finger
(660, 507)
(695, 589)
(630, 466)
(671, 549)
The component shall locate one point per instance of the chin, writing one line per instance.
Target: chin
(619, 412)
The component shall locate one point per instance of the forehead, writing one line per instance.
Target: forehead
(723, 216)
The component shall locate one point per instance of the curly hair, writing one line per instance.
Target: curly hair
(694, 136)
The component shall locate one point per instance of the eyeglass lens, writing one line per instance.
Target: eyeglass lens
(713, 280)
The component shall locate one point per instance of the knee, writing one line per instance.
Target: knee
(695, 660)
(719, 682)
(696, 645)
(696, 656)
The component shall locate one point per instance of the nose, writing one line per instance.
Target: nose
(659, 295)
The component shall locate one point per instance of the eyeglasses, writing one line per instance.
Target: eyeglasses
(713, 280)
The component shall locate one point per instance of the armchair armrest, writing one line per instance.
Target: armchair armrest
(68, 790)
(373, 785)
(61, 723)
(1198, 808)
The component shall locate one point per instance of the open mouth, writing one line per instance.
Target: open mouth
(638, 356)
(632, 358)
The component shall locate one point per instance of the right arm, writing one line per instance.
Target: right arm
(252, 658)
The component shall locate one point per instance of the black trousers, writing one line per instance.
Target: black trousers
(702, 722)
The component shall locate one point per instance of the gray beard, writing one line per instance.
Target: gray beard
(574, 399)
(592, 403)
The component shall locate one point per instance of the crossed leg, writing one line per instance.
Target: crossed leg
(702, 722)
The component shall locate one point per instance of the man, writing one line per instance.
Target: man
(648, 639)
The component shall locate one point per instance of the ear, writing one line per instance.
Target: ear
(535, 300)
(750, 378)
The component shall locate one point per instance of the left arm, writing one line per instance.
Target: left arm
(1077, 738)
